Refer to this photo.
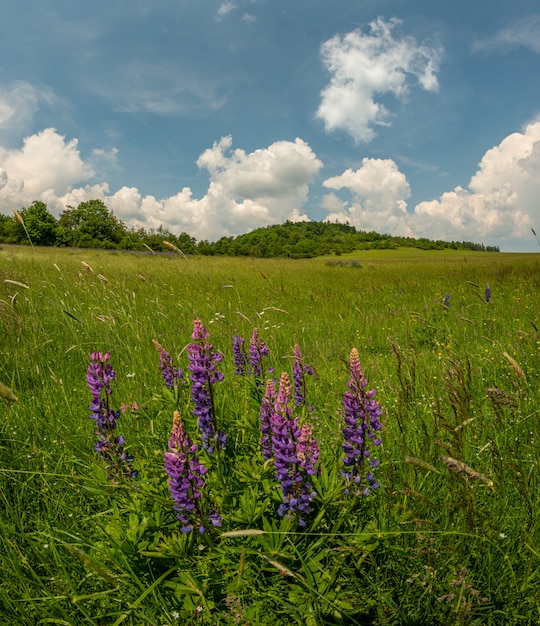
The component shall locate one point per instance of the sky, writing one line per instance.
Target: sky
(214, 118)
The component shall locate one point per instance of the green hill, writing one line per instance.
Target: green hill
(310, 239)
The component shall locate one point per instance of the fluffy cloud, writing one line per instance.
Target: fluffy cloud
(364, 66)
(499, 208)
(270, 185)
(501, 204)
(379, 192)
(246, 190)
(45, 167)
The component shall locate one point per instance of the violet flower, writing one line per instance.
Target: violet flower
(300, 371)
(267, 408)
(109, 446)
(446, 301)
(361, 415)
(186, 479)
(488, 293)
(295, 455)
(203, 363)
(257, 350)
(173, 376)
(241, 363)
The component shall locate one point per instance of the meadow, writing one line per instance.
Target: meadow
(450, 534)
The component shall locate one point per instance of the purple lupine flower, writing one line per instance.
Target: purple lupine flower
(173, 376)
(488, 293)
(203, 363)
(295, 454)
(186, 479)
(446, 301)
(257, 350)
(307, 450)
(267, 408)
(362, 425)
(241, 363)
(300, 371)
(109, 446)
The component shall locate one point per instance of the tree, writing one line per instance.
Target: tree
(39, 224)
(92, 224)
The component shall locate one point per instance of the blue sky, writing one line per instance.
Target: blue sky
(216, 117)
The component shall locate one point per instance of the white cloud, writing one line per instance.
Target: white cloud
(19, 101)
(246, 190)
(270, 185)
(502, 204)
(225, 8)
(499, 208)
(379, 192)
(364, 66)
(524, 32)
(46, 166)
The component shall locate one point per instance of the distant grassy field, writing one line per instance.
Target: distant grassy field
(451, 536)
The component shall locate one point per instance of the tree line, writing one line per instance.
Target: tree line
(92, 225)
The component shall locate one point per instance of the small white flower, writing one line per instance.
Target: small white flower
(175, 615)
(502, 535)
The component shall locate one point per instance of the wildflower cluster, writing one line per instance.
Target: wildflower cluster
(285, 440)
(361, 415)
(186, 479)
(109, 445)
(203, 363)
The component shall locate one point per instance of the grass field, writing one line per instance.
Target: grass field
(451, 536)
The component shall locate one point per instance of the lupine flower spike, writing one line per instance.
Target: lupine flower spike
(300, 371)
(488, 293)
(295, 456)
(241, 363)
(361, 431)
(109, 445)
(257, 350)
(186, 479)
(205, 374)
(446, 301)
(267, 409)
(173, 376)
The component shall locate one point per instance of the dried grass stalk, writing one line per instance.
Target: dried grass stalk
(458, 467)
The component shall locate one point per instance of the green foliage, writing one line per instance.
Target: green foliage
(92, 225)
(449, 541)
(311, 239)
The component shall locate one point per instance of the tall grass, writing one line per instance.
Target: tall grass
(451, 536)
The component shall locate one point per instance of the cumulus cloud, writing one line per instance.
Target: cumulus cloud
(524, 32)
(245, 191)
(379, 192)
(270, 185)
(364, 66)
(501, 204)
(499, 207)
(45, 167)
